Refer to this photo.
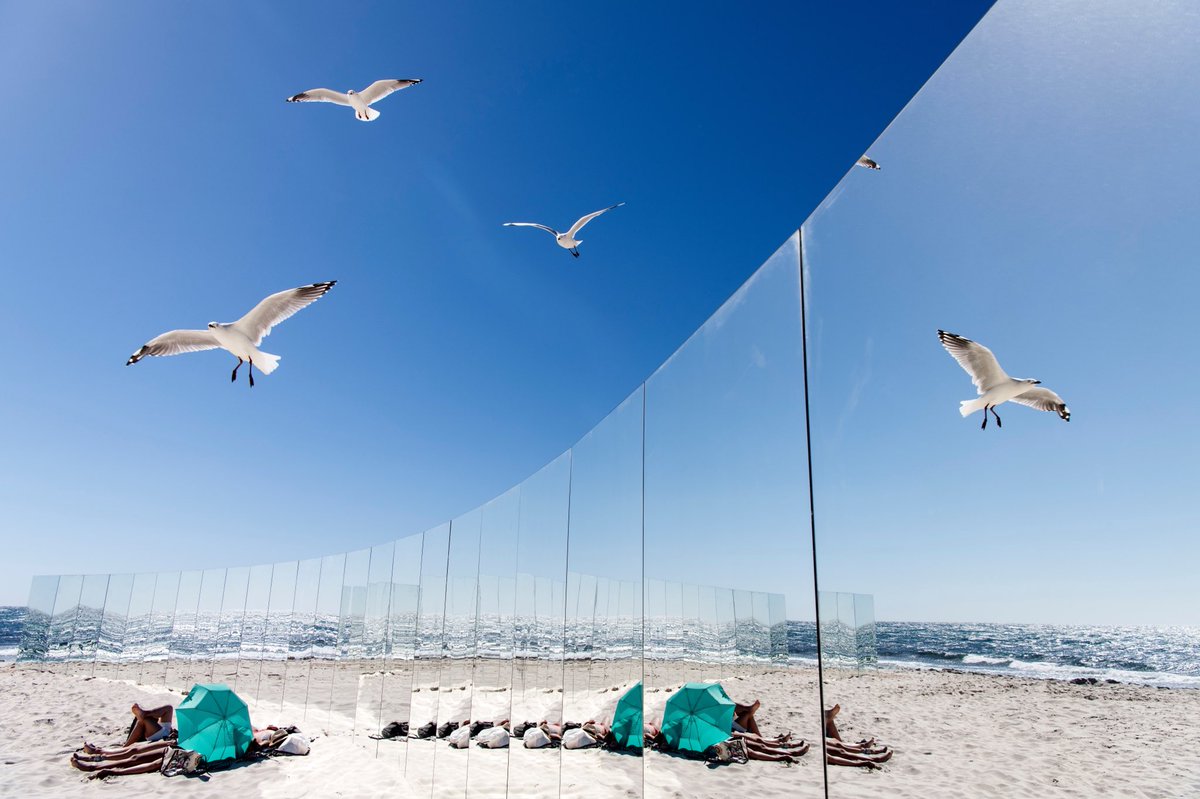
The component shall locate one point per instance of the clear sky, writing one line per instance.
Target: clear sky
(151, 177)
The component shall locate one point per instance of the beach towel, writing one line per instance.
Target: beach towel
(535, 738)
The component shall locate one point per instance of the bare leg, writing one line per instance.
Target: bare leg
(841, 760)
(744, 716)
(831, 730)
(234, 375)
(140, 758)
(148, 721)
(149, 767)
(94, 753)
(250, 373)
(984, 425)
(998, 424)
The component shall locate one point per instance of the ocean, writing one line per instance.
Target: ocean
(1167, 657)
(11, 620)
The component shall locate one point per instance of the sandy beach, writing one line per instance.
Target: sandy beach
(954, 735)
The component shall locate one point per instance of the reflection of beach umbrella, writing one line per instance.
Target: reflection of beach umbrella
(214, 721)
(697, 716)
(627, 719)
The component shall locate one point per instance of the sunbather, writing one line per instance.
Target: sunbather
(150, 725)
(138, 758)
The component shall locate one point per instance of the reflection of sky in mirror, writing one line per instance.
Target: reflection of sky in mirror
(1039, 197)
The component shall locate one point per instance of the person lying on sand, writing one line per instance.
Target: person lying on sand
(864, 754)
(138, 758)
(151, 725)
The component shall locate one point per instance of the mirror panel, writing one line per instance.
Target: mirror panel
(491, 699)
(352, 618)
(227, 652)
(325, 648)
(277, 630)
(86, 636)
(1040, 551)
(604, 550)
(540, 616)
(431, 613)
(726, 505)
(207, 629)
(137, 626)
(254, 623)
(35, 633)
(376, 615)
(402, 632)
(301, 638)
(162, 623)
(183, 630)
(110, 648)
(458, 653)
(62, 620)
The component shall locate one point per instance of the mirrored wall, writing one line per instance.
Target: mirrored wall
(557, 640)
(1031, 576)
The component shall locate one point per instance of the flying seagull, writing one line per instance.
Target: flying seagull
(993, 385)
(868, 162)
(241, 338)
(567, 240)
(359, 101)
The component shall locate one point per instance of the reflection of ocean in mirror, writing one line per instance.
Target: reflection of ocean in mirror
(1159, 656)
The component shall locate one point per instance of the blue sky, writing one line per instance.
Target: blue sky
(153, 178)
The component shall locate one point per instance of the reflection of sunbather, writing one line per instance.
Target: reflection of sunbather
(864, 754)
(759, 749)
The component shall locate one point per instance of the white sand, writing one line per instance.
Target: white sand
(954, 735)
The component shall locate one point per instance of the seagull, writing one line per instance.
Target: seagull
(359, 101)
(567, 240)
(868, 162)
(993, 385)
(241, 338)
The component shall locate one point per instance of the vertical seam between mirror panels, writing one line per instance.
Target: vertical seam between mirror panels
(562, 700)
(812, 514)
(642, 587)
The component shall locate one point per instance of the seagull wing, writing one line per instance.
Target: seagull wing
(583, 220)
(257, 324)
(320, 96)
(175, 342)
(977, 359)
(549, 230)
(382, 88)
(1043, 399)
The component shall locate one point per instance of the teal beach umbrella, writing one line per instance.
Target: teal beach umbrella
(627, 719)
(697, 716)
(214, 721)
